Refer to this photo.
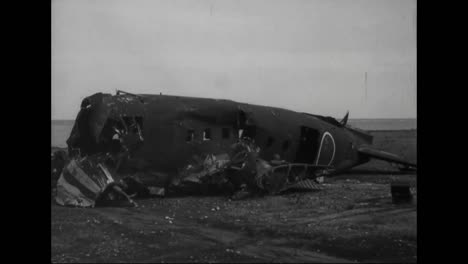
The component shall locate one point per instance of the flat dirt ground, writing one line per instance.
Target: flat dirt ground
(351, 219)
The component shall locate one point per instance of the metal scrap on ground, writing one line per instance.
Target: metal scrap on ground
(86, 182)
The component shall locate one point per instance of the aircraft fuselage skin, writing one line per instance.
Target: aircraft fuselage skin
(174, 129)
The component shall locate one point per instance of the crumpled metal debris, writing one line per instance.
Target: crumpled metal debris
(247, 173)
(58, 160)
(87, 182)
(81, 182)
(156, 191)
(199, 172)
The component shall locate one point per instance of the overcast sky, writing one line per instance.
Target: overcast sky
(305, 55)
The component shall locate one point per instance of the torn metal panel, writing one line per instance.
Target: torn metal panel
(80, 185)
(87, 182)
(208, 171)
(242, 167)
(305, 185)
(280, 178)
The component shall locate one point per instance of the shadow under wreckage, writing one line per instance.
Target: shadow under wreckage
(125, 145)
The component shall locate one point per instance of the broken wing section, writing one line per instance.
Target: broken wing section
(386, 156)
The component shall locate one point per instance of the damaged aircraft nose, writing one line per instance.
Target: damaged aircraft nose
(102, 127)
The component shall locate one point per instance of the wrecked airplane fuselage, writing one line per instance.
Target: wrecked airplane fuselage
(160, 135)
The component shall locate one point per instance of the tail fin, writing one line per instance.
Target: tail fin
(345, 119)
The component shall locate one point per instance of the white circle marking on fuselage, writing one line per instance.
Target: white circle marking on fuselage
(326, 133)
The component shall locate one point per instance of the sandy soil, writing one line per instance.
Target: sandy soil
(351, 219)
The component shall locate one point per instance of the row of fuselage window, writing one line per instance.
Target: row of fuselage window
(226, 134)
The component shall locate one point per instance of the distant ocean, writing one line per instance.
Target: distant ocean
(61, 128)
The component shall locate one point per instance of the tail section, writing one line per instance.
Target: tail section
(383, 155)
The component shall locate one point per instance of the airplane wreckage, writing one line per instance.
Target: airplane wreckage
(128, 145)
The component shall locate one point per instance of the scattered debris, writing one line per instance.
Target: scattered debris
(156, 191)
(401, 192)
(86, 182)
(244, 172)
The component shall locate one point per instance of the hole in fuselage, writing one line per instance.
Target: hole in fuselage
(308, 145)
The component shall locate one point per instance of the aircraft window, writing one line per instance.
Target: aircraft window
(190, 135)
(270, 141)
(285, 145)
(207, 134)
(226, 132)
